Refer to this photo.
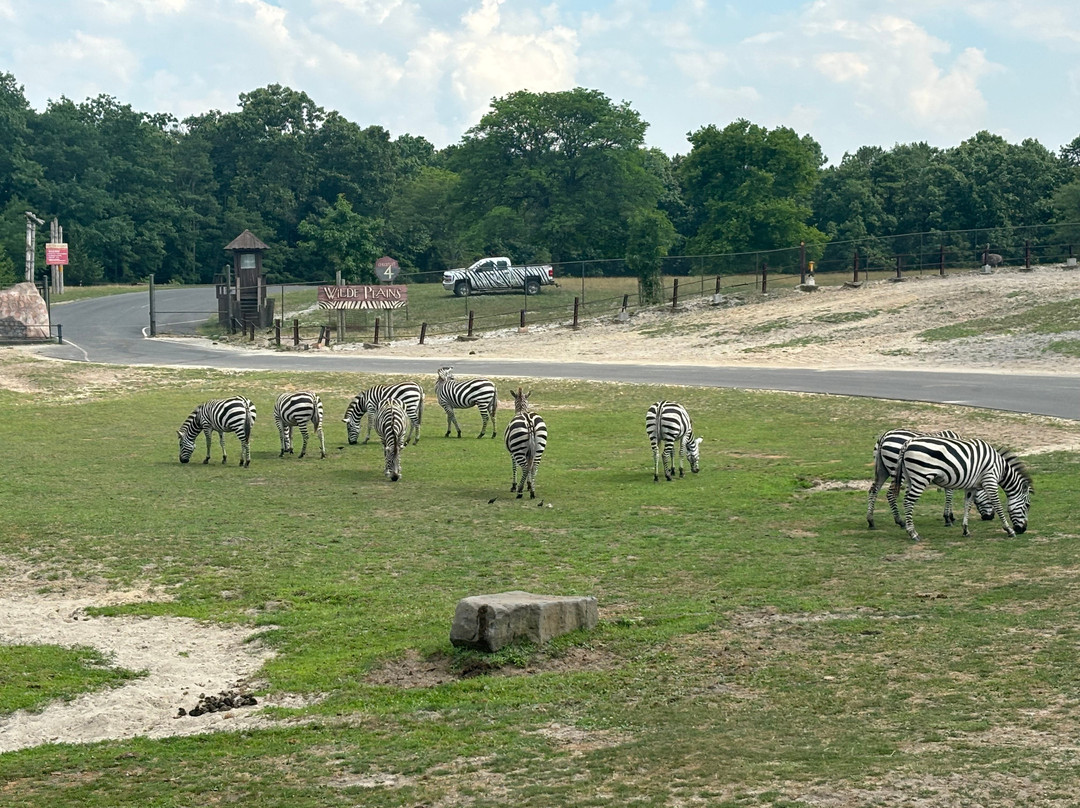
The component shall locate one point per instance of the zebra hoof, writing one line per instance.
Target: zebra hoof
(519, 496)
(870, 524)
(206, 461)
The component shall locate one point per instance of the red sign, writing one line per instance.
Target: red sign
(363, 297)
(56, 254)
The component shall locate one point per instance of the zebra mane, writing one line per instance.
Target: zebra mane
(1013, 461)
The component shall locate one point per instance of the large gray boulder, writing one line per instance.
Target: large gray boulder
(23, 314)
(488, 622)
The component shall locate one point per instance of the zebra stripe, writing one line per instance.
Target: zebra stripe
(668, 423)
(221, 415)
(410, 394)
(299, 409)
(392, 425)
(967, 464)
(454, 394)
(886, 451)
(526, 439)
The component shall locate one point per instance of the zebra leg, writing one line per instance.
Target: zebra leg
(370, 418)
(950, 519)
(483, 423)
(656, 462)
(245, 452)
(990, 489)
(513, 475)
(968, 497)
(910, 498)
(451, 419)
(669, 460)
(871, 499)
(322, 440)
(303, 434)
(208, 443)
(493, 430)
(281, 435)
(894, 506)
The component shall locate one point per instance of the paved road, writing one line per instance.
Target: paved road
(111, 330)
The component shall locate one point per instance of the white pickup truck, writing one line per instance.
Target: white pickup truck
(497, 275)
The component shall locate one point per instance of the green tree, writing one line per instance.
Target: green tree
(422, 228)
(569, 165)
(343, 240)
(651, 235)
(749, 188)
(8, 275)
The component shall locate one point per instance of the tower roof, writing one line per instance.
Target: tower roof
(246, 241)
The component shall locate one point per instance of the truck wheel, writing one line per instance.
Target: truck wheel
(461, 288)
(532, 287)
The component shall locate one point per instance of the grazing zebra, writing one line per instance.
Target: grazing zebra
(526, 439)
(886, 450)
(410, 394)
(967, 464)
(392, 425)
(668, 423)
(461, 395)
(299, 409)
(221, 415)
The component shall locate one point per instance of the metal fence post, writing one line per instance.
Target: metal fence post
(153, 308)
(576, 302)
(60, 333)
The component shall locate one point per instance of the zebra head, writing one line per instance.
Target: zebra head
(1016, 482)
(446, 373)
(354, 414)
(693, 454)
(187, 433)
(521, 401)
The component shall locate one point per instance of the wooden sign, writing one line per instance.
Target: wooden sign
(363, 297)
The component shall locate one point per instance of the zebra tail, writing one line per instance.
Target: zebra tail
(248, 419)
(898, 474)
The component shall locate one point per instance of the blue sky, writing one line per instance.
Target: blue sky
(847, 72)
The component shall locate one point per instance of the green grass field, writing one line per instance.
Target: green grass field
(758, 645)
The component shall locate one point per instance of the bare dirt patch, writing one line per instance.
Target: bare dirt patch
(182, 659)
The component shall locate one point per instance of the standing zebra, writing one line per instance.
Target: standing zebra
(967, 464)
(668, 423)
(410, 394)
(463, 394)
(526, 439)
(391, 425)
(886, 450)
(221, 415)
(299, 409)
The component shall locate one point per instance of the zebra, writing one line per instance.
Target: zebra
(668, 422)
(392, 425)
(968, 464)
(526, 438)
(299, 409)
(461, 395)
(886, 449)
(221, 415)
(410, 394)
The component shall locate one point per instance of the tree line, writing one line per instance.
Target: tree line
(542, 177)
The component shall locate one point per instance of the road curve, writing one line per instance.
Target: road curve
(111, 330)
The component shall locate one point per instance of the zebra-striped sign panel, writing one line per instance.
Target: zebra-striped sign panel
(363, 297)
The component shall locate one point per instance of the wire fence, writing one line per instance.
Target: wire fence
(605, 288)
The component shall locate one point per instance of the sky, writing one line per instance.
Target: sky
(849, 73)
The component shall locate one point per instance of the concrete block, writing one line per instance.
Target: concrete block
(488, 622)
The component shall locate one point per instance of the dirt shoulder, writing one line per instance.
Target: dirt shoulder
(875, 325)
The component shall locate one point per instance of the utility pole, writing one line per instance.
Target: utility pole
(32, 223)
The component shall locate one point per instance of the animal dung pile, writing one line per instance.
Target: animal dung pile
(219, 703)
